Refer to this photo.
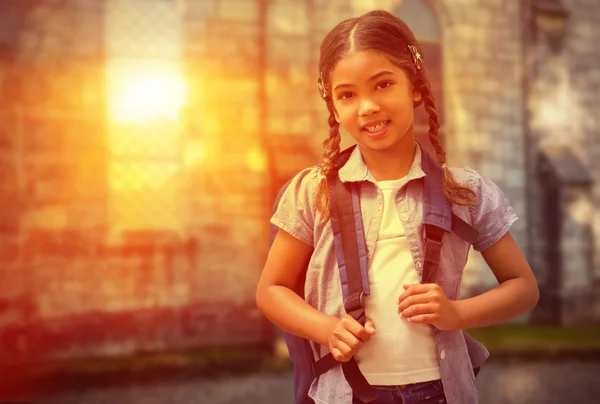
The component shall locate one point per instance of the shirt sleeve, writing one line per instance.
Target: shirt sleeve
(493, 214)
(296, 210)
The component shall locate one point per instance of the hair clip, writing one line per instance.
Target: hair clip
(321, 85)
(416, 56)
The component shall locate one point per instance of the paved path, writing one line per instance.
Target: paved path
(498, 383)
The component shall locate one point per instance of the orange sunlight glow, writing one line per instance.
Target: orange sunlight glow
(145, 100)
(141, 94)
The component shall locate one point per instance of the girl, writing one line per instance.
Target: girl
(412, 348)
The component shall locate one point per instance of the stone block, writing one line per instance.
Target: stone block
(30, 42)
(198, 9)
(89, 32)
(238, 10)
(288, 18)
(95, 6)
(41, 15)
(52, 46)
(286, 49)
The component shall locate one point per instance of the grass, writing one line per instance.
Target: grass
(502, 341)
(212, 362)
(531, 339)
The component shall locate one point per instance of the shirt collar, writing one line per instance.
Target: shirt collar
(355, 169)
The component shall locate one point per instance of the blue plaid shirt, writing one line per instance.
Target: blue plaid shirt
(492, 217)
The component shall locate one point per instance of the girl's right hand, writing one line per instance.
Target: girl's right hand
(348, 337)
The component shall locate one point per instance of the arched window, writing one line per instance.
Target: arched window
(423, 23)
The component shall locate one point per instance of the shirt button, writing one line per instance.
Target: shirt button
(419, 265)
(404, 216)
(443, 355)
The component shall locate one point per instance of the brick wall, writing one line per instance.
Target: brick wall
(581, 59)
(563, 99)
(87, 282)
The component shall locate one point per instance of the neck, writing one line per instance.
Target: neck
(393, 163)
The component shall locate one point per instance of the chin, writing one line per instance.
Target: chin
(384, 144)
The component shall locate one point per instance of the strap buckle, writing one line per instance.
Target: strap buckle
(431, 232)
(354, 302)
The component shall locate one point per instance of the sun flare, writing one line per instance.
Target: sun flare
(143, 96)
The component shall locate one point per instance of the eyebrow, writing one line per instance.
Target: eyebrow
(374, 77)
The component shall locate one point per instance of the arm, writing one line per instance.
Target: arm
(516, 293)
(280, 286)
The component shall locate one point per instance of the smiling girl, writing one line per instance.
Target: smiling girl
(412, 348)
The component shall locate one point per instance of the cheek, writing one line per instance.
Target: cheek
(400, 104)
(348, 118)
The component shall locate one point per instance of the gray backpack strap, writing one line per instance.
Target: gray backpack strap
(463, 229)
(351, 254)
(438, 218)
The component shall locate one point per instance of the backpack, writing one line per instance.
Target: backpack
(351, 253)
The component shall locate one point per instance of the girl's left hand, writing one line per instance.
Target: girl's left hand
(427, 303)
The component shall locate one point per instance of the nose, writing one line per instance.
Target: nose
(368, 107)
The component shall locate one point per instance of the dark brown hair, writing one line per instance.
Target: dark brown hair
(383, 32)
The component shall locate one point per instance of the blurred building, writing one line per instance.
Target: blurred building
(142, 143)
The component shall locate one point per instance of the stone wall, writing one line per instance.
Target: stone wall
(562, 103)
(484, 103)
(582, 60)
(83, 276)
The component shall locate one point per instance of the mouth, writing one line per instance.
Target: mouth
(376, 129)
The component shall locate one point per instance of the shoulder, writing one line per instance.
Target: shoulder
(491, 214)
(468, 176)
(296, 211)
(303, 185)
(483, 186)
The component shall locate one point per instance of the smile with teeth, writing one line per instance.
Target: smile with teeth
(377, 127)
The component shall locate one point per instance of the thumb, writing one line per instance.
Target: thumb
(370, 327)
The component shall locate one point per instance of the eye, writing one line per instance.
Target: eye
(384, 84)
(345, 95)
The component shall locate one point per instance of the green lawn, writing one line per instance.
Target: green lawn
(538, 339)
(505, 340)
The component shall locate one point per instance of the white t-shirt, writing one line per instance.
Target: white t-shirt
(401, 352)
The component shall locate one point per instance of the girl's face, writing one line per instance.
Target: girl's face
(373, 100)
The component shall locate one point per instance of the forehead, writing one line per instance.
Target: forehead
(360, 66)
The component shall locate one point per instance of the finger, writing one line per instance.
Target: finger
(424, 319)
(370, 327)
(353, 326)
(413, 290)
(414, 299)
(423, 287)
(346, 337)
(345, 349)
(339, 356)
(418, 309)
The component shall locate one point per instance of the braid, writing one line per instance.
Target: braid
(459, 194)
(332, 151)
(434, 124)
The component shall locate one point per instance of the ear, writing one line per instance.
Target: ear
(417, 96)
(337, 116)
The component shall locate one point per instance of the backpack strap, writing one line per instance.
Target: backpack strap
(463, 230)
(351, 253)
(350, 246)
(438, 218)
(349, 238)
